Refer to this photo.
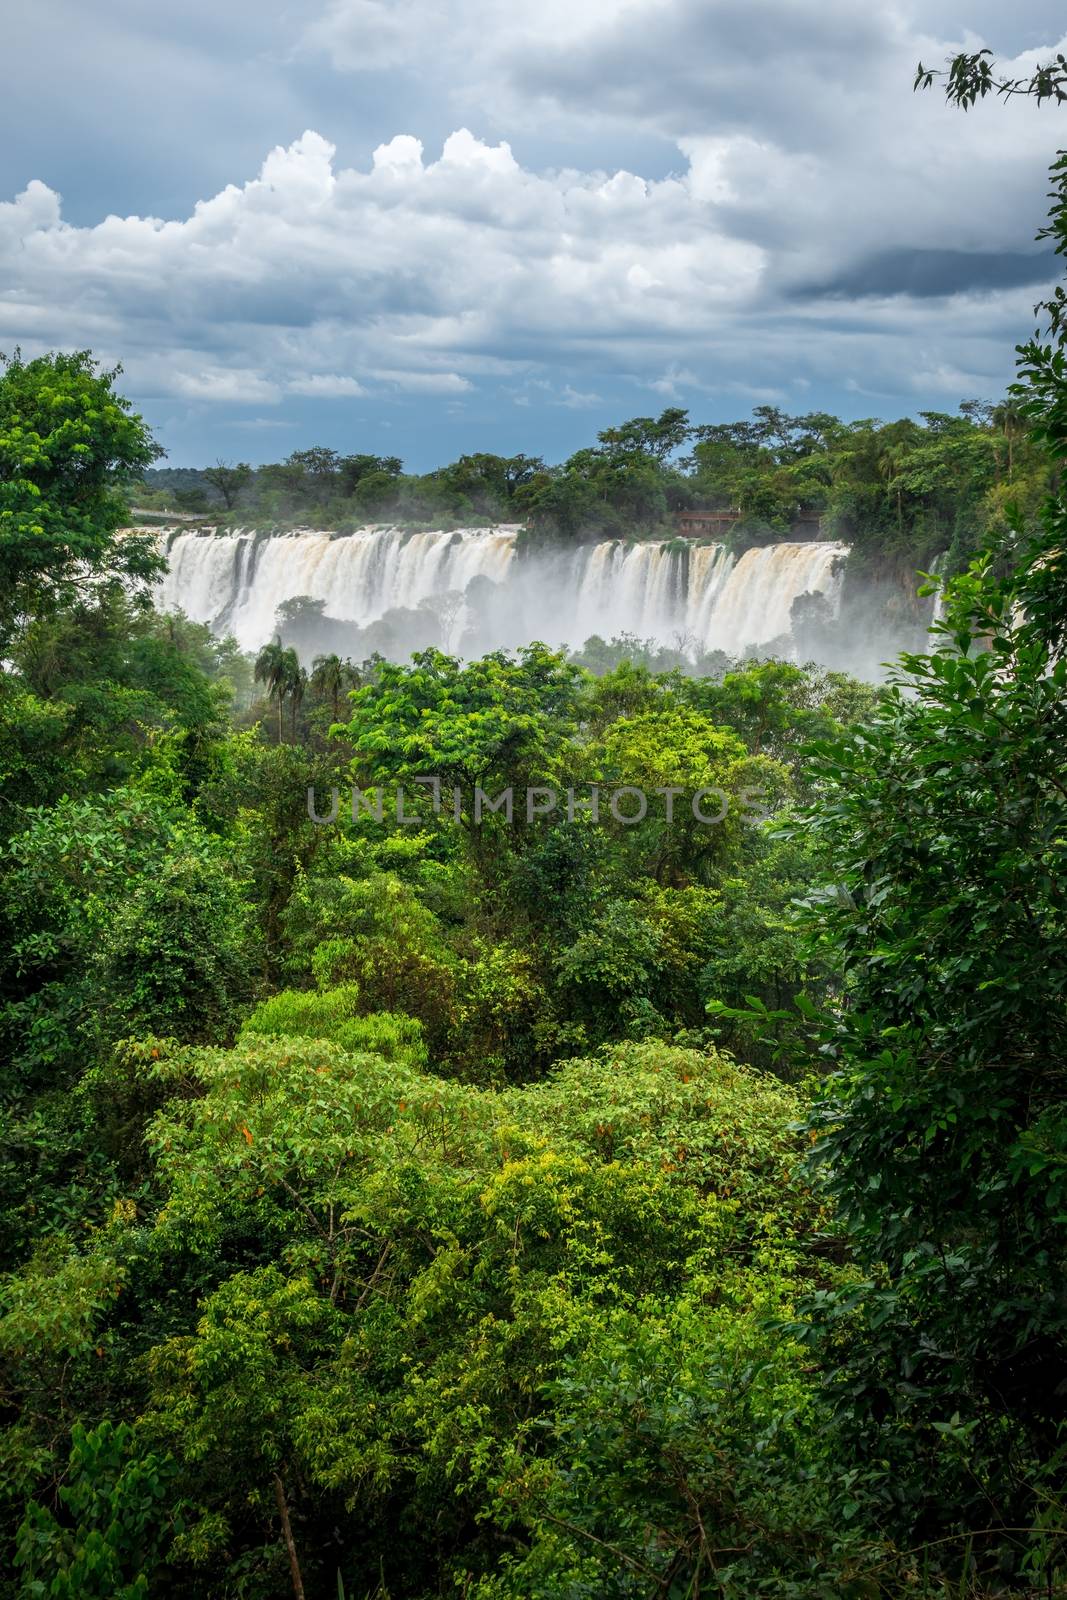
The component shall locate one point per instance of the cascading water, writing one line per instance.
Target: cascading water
(237, 581)
(937, 567)
(754, 602)
(627, 588)
(709, 570)
(697, 595)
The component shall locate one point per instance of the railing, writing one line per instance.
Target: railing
(716, 524)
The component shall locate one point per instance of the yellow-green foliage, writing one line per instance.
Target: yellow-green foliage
(51, 1308)
(449, 1277)
(335, 1014)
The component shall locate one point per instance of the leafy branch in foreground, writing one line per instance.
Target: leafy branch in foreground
(971, 77)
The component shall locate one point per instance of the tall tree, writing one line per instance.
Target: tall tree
(1009, 419)
(71, 450)
(329, 674)
(941, 1127)
(229, 480)
(657, 437)
(296, 680)
(271, 670)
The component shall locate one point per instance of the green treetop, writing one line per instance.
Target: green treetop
(70, 448)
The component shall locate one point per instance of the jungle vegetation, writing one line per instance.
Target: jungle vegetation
(544, 1206)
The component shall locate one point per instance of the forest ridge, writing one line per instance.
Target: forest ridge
(899, 493)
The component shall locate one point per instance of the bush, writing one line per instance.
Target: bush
(335, 1014)
(177, 959)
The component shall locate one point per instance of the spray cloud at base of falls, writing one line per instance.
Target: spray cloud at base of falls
(474, 589)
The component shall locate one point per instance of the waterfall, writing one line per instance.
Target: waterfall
(697, 596)
(237, 581)
(752, 606)
(621, 588)
(709, 569)
(202, 573)
(937, 567)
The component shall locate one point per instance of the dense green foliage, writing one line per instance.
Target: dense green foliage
(69, 445)
(407, 1191)
(345, 1162)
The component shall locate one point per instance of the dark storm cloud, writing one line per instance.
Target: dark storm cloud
(926, 273)
(718, 67)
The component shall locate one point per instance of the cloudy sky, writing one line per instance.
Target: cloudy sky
(428, 226)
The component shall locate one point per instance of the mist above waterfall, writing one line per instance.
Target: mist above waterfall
(474, 589)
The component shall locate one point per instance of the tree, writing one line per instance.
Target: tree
(71, 450)
(176, 958)
(681, 752)
(272, 668)
(318, 462)
(1009, 419)
(489, 483)
(494, 722)
(120, 1504)
(657, 437)
(329, 675)
(306, 477)
(64, 878)
(471, 1329)
(764, 702)
(355, 470)
(296, 680)
(229, 480)
(940, 1130)
(447, 607)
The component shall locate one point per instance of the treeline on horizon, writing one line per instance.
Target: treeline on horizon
(901, 492)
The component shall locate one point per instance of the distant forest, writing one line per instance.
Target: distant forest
(901, 493)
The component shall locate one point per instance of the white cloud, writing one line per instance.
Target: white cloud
(369, 35)
(36, 207)
(822, 225)
(471, 39)
(672, 382)
(576, 400)
(327, 386)
(726, 199)
(426, 382)
(797, 122)
(423, 276)
(258, 423)
(224, 384)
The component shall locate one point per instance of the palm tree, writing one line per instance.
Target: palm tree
(1008, 416)
(296, 682)
(271, 670)
(894, 446)
(327, 680)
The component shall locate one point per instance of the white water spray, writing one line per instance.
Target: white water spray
(754, 602)
(661, 590)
